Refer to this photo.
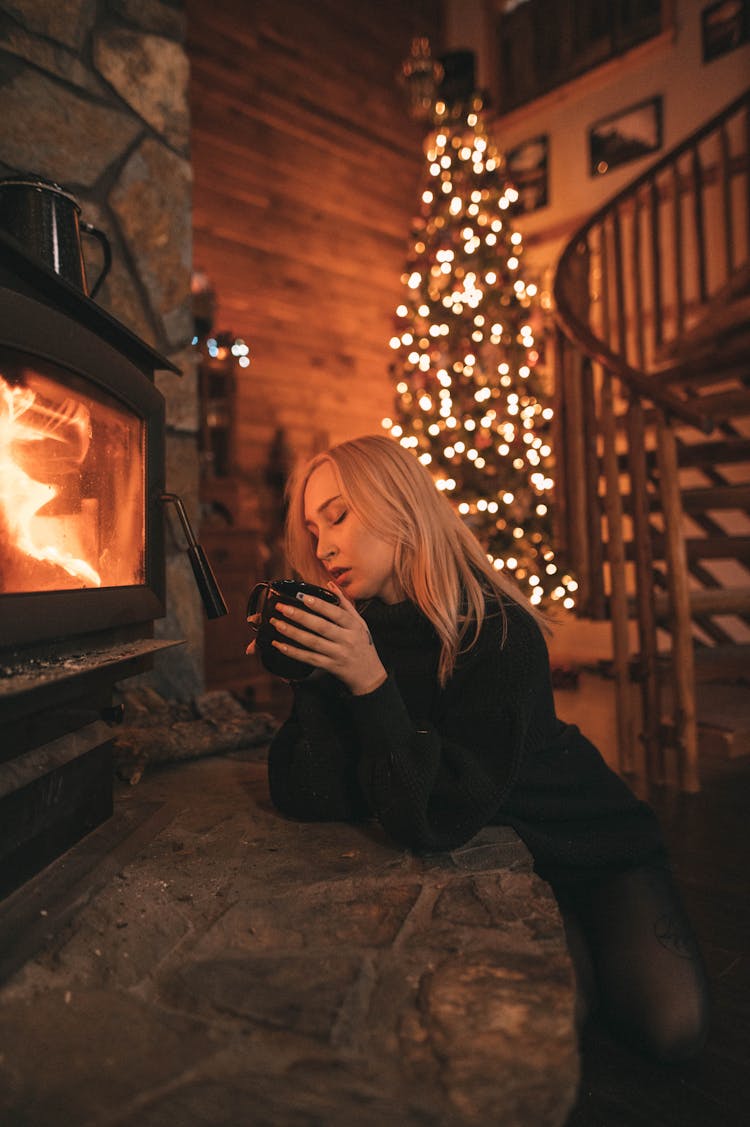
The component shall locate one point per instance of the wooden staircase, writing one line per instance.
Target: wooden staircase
(653, 415)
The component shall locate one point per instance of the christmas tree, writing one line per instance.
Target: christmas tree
(469, 400)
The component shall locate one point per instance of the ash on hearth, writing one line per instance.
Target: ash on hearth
(155, 730)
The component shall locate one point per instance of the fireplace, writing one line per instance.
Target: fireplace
(81, 552)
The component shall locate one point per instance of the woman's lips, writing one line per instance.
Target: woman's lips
(338, 573)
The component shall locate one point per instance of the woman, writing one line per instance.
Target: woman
(431, 709)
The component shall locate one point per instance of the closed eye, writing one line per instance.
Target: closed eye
(338, 520)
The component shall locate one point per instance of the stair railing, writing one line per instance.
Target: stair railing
(629, 284)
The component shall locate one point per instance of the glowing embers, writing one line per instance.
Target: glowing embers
(72, 510)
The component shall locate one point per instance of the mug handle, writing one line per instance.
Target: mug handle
(101, 238)
(254, 598)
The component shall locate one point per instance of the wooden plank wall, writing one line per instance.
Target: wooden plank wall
(306, 173)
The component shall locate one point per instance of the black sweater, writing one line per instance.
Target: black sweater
(436, 765)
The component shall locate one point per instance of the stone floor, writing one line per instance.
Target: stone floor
(201, 960)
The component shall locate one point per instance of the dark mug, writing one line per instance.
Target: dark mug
(46, 220)
(263, 600)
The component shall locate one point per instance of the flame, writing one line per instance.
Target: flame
(21, 497)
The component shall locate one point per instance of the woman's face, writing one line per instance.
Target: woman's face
(357, 560)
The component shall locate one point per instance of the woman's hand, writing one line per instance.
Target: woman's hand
(334, 638)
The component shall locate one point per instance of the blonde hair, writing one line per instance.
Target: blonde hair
(438, 563)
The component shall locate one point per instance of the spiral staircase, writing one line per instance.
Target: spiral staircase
(652, 370)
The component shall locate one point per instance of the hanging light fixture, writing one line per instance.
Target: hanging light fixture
(421, 75)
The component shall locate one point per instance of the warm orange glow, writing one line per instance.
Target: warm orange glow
(21, 497)
(71, 488)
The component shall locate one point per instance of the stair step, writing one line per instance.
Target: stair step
(722, 663)
(727, 451)
(715, 453)
(718, 548)
(729, 364)
(716, 741)
(726, 664)
(715, 497)
(700, 421)
(702, 548)
(705, 601)
(725, 317)
(705, 410)
(715, 600)
(704, 499)
(719, 405)
(723, 712)
(723, 361)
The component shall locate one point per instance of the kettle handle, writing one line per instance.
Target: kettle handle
(89, 229)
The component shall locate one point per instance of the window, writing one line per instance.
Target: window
(544, 43)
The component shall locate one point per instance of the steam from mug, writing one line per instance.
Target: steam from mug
(263, 600)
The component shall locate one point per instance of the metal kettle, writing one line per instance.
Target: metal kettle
(46, 220)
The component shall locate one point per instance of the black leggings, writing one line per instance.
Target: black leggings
(636, 958)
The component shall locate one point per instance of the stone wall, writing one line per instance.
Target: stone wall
(94, 95)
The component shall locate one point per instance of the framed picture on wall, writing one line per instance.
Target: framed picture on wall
(527, 168)
(724, 26)
(626, 135)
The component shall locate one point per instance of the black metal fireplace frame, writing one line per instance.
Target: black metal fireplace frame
(43, 316)
(62, 653)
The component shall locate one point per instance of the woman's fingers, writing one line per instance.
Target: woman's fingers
(336, 612)
(312, 657)
(310, 638)
(312, 621)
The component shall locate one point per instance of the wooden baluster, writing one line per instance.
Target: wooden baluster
(576, 471)
(747, 175)
(679, 301)
(597, 603)
(636, 281)
(644, 590)
(683, 662)
(618, 598)
(727, 217)
(698, 220)
(655, 229)
(619, 282)
(606, 326)
(564, 538)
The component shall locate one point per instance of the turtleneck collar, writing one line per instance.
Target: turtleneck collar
(405, 613)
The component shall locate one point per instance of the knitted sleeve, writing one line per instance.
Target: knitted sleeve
(433, 788)
(312, 759)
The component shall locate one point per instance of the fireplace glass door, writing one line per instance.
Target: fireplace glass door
(72, 481)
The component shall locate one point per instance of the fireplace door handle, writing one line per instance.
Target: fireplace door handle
(213, 600)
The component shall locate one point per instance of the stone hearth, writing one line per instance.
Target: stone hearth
(229, 966)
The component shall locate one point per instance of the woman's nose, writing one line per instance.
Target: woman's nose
(325, 548)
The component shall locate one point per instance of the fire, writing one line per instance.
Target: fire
(26, 423)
